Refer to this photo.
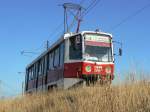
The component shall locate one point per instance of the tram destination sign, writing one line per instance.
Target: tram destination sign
(97, 38)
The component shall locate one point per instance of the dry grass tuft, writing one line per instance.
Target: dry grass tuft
(133, 97)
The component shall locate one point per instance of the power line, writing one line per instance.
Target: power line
(81, 2)
(129, 17)
(92, 3)
(91, 6)
(56, 29)
(40, 47)
(53, 33)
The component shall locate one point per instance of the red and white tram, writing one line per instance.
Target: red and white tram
(76, 57)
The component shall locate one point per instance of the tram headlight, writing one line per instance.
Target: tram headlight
(108, 70)
(88, 68)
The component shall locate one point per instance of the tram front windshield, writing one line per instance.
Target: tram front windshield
(98, 48)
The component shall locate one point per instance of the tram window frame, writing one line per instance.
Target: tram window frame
(74, 46)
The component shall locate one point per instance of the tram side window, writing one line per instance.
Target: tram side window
(75, 47)
(36, 69)
(61, 54)
(32, 73)
(40, 68)
(51, 58)
(43, 62)
(56, 58)
(29, 74)
(26, 79)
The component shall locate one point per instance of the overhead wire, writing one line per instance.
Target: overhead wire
(54, 32)
(90, 7)
(92, 3)
(129, 17)
(81, 2)
(56, 29)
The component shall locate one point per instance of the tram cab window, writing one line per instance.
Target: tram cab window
(75, 47)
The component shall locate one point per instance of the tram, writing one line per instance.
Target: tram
(84, 57)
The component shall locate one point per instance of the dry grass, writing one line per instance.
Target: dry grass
(134, 97)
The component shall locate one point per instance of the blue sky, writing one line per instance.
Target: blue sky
(27, 24)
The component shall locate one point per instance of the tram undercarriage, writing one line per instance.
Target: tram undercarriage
(93, 80)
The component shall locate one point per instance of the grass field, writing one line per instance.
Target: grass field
(132, 97)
